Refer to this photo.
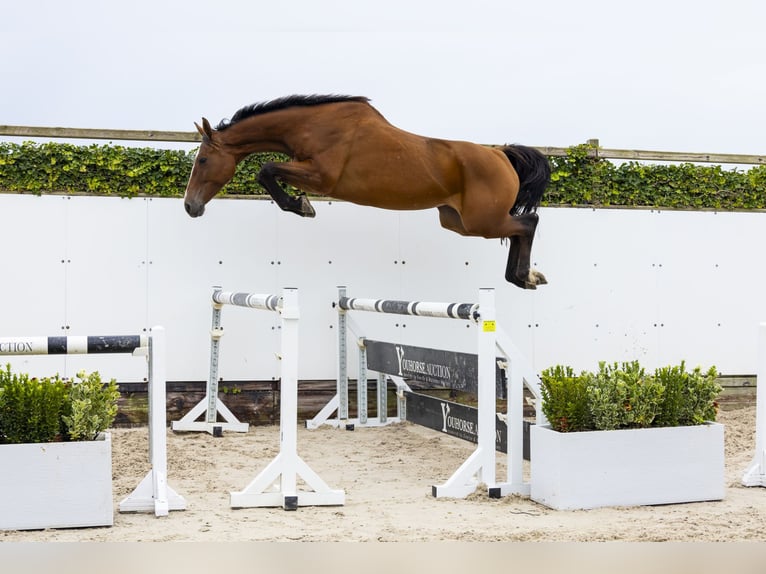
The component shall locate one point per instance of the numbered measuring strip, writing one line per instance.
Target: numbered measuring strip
(72, 345)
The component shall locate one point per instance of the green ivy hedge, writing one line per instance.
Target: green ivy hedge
(111, 170)
(578, 179)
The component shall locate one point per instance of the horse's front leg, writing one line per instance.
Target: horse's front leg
(293, 174)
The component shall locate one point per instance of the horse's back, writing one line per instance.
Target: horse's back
(384, 166)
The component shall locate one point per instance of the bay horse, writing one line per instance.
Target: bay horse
(342, 147)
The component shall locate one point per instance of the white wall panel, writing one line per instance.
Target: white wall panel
(33, 256)
(105, 289)
(439, 265)
(623, 284)
(232, 246)
(337, 247)
(601, 298)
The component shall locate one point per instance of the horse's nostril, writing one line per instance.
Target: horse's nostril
(194, 209)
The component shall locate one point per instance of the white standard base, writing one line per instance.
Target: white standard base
(153, 495)
(56, 485)
(276, 486)
(189, 422)
(627, 467)
(355, 422)
(755, 475)
(465, 480)
(468, 477)
(323, 418)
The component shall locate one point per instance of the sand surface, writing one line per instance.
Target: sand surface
(387, 475)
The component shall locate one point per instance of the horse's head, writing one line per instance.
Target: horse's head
(213, 168)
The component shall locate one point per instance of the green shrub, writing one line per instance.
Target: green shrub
(625, 396)
(565, 399)
(93, 406)
(46, 410)
(31, 410)
(689, 397)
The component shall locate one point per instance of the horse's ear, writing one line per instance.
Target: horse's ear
(205, 131)
(207, 128)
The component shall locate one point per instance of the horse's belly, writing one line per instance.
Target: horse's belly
(400, 200)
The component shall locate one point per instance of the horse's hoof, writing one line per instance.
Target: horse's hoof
(533, 279)
(305, 208)
(537, 278)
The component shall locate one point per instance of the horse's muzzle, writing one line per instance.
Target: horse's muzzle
(194, 209)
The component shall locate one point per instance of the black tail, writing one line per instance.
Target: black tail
(534, 172)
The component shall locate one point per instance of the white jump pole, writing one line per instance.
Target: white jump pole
(755, 475)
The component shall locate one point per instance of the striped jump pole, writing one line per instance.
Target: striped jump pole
(153, 494)
(212, 405)
(468, 311)
(73, 345)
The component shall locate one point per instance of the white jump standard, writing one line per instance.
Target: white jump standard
(479, 468)
(276, 485)
(153, 494)
(211, 405)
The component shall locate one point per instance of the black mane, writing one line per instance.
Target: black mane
(285, 102)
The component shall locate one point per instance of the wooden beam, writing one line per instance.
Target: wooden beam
(638, 155)
(661, 156)
(194, 137)
(99, 134)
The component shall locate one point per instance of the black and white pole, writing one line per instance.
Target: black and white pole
(415, 308)
(73, 345)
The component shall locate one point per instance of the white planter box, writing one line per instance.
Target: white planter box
(626, 467)
(56, 485)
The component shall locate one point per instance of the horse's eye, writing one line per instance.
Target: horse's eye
(202, 159)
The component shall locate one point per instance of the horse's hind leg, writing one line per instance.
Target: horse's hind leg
(519, 230)
(450, 219)
(293, 175)
(518, 270)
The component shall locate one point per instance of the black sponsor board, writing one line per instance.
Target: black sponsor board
(457, 420)
(438, 368)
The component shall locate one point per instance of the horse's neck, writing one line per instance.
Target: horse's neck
(255, 135)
